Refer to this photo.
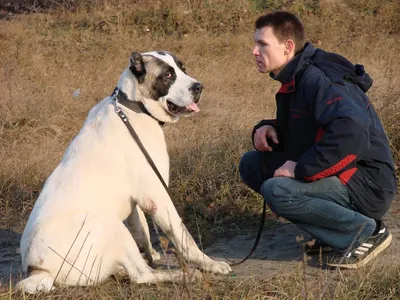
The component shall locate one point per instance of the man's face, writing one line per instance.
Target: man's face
(270, 54)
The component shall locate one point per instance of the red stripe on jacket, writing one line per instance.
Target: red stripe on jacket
(332, 170)
(346, 175)
(334, 100)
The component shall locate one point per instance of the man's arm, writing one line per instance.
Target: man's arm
(345, 124)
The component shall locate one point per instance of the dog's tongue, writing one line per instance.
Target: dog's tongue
(193, 107)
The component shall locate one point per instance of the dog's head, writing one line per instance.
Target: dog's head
(161, 83)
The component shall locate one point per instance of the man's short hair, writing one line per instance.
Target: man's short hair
(285, 26)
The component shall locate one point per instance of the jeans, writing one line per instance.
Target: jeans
(322, 208)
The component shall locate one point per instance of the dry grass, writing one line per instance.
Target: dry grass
(370, 283)
(46, 57)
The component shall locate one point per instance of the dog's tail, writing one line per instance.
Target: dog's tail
(37, 281)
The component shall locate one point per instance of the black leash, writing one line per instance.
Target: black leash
(260, 230)
(120, 97)
(262, 221)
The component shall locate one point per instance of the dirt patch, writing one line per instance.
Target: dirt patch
(10, 261)
(278, 251)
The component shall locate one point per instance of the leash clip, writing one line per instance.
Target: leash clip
(115, 100)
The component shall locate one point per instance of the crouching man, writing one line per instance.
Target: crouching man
(324, 163)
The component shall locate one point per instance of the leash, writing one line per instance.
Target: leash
(115, 99)
(260, 230)
(120, 97)
(262, 221)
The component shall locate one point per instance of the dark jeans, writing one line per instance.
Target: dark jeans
(322, 208)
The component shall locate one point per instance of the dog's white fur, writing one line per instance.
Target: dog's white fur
(76, 234)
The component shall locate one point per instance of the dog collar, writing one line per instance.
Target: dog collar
(136, 106)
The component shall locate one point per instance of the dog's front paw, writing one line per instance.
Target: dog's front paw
(151, 256)
(155, 255)
(218, 267)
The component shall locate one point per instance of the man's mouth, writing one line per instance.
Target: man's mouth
(259, 63)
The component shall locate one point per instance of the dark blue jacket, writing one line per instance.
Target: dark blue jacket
(326, 123)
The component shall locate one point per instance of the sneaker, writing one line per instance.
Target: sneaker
(317, 247)
(360, 256)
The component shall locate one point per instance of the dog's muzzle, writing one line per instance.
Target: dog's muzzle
(196, 88)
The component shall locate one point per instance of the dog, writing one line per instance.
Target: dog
(88, 221)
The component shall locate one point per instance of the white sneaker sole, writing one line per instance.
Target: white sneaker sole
(367, 258)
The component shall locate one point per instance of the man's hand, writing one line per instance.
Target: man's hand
(261, 135)
(286, 170)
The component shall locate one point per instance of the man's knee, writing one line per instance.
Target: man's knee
(248, 166)
(277, 193)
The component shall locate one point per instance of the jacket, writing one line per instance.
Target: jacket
(327, 124)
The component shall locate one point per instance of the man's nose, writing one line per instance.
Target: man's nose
(256, 50)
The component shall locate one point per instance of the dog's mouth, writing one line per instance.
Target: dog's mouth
(179, 110)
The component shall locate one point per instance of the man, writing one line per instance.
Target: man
(324, 164)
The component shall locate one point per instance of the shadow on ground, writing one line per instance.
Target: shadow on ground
(10, 261)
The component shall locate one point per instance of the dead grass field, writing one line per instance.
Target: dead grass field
(45, 57)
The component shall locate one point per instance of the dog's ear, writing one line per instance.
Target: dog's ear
(136, 65)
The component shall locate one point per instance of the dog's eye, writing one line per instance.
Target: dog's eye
(168, 75)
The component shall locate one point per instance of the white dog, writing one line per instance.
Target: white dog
(76, 234)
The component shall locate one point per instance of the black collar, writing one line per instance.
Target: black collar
(136, 106)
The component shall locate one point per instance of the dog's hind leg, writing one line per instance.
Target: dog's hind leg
(138, 227)
(40, 281)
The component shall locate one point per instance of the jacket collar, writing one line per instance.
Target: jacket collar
(301, 59)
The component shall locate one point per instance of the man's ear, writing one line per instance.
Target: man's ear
(289, 47)
(136, 65)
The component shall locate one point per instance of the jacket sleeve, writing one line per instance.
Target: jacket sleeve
(344, 122)
(273, 123)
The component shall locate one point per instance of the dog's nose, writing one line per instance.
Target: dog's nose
(196, 88)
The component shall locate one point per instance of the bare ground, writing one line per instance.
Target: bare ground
(277, 253)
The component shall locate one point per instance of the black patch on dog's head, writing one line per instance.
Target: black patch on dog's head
(160, 52)
(164, 80)
(137, 66)
(179, 63)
